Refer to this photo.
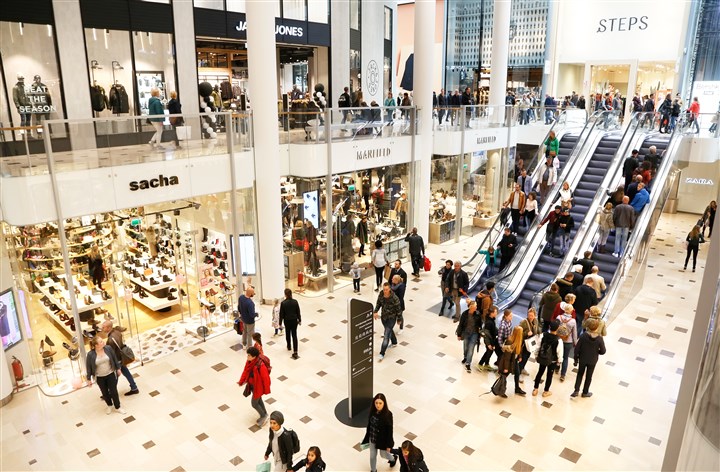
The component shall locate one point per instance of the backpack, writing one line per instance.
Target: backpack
(545, 356)
(479, 300)
(266, 360)
(500, 385)
(563, 332)
(295, 441)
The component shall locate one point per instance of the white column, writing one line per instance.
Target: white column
(339, 51)
(185, 57)
(422, 95)
(500, 46)
(261, 64)
(73, 61)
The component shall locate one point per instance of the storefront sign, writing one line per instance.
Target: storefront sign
(691, 180)
(486, 139)
(611, 25)
(372, 153)
(280, 30)
(39, 98)
(160, 181)
(372, 77)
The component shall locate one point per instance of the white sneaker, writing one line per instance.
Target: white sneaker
(380, 358)
(121, 411)
(108, 410)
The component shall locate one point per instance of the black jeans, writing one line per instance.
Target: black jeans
(485, 359)
(361, 252)
(694, 251)
(548, 379)
(587, 370)
(356, 284)
(108, 387)
(515, 216)
(291, 332)
(379, 271)
(415, 260)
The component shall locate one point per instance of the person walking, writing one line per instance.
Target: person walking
(709, 218)
(344, 102)
(280, 443)
(624, 219)
(397, 270)
(312, 462)
(361, 232)
(416, 248)
(508, 246)
(96, 266)
(516, 204)
(102, 365)
(389, 303)
(547, 305)
(566, 224)
(379, 261)
(530, 327)
(585, 297)
(548, 358)
(531, 207)
(379, 432)
(468, 331)
(397, 285)
(553, 221)
(356, 273)
(604, 219)
(290, 316)
(246, 308)
(116, 343)
(458, 287)
(175, 108)
(445, 273)
(441, 104)
(411, 458)
(693, 112)
(256, 379)
(489, 333)
(157, 116)
(511, 356)
(568, 338)
(587, 351)
(692, 241)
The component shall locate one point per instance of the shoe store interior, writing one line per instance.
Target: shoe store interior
(163, 272)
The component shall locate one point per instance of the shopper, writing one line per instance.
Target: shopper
(629, 166)
(547, 305)
(361, 232)
(604, 218)
(313, 461)
(96, 266)
(280, 443)
(569, 336)
(257, 343)
(547, 177)
(445, 273)
(276, 317)
(157, 116)
(416, 248)
(508, 246)
(516, 204)
(457, 287)
(484, 298)
(511, 356)
(624, 219)
(566, 224)
(596, 314)
(585, 297)
(397, 270)
(380, 261)
(586, 262)
(411, 458)
(291, 318)
(692, 241)
(489, 333)
(531, 207)
(379, 432)
(553, 222)
(256, 379)
(693, 112)
(356, 273)
(548, 357)
(175, 108)
(491, 256)
(641, 198)
(530, 327)
(116, 343)
(709, 218)
(389, 303)
(397, 285)
(587, 350)
(468, 331)
(598, 282)
(102, 365)
(246, 308)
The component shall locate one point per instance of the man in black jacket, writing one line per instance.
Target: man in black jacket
(508, 246)
(397, 270)
(416, 248)
(586, 297)
(344, 102)
(282, 450)
(586, 263)
(290, 315)
(441, 104)
(565, 284)
(457, 287)
(631, 163)
(444, 274)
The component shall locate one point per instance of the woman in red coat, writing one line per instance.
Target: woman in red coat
(257, 378)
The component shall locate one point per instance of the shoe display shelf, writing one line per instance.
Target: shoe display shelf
(159, 296)
(54, 298)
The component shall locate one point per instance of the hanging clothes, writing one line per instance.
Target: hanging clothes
(98, 99)
(119, 99)
(226, 90)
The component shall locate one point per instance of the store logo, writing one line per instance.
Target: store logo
(486, 139)
(161, 181)
(373, 77)
(280, 30)
(691, 180)
(372, 153)
(629, 23)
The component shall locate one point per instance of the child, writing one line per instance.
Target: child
(356, 271)
(258, 342)
(530, 208)
(276, 317)
(312, 462)
(491, 255)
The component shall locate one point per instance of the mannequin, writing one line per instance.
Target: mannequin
(40, 97)
(21, 100)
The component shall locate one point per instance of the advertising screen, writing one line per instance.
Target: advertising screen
(9, 323)
(311, 208)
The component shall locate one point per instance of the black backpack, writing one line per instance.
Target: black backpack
(545, 355)
(499, 386)
(295, 441)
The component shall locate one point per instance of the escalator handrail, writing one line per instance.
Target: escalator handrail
(616, 166)
(511, 271)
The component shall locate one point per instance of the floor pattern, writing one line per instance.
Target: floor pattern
(191, 415)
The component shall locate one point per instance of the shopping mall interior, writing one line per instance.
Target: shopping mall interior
(164, 161)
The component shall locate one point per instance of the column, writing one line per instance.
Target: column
(422, 95)
(263, 71)
(550, 67)
(185, 58)
(339, 52)
(73, 61)
(500, 46)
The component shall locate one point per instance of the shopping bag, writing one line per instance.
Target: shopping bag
(427, 265)
(533, 343)
(263, 467)
(183, 132)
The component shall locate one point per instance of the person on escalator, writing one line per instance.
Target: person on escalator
(553, 221)
(586, 262)
(585, 297)
(653, 157)
(640, 199)
(665, 109)
(565, 284)
(508, 246)
(530, 209)
(632, 188)
(566, 224)
(516, 204)
(552, 144)
(624, 219)
(548, 177)
(491, 257)
(631, 163)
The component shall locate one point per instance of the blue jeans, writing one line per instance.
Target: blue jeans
(673, 122)
(621, 237)
(373, 456)
(550, 238)
(567, 353)
(388, 323)
(549, 117)
(126, 372)
(564, 241)
(469, 343)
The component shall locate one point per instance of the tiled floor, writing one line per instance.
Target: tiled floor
(191, 415)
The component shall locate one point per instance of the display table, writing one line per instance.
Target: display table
(483, 222)
(440, 232)
(157, 294)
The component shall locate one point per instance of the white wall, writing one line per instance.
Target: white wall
(570, 77)
(69, 36)
(373, 27)
(340, 50)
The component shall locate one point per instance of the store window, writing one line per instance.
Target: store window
(154, 66)
(211, 4)
(355, 14)
(355, 71)
(235, 5)
(388, 24)
(112, 86)
(294, 9)
(31, 78)
(318, 11)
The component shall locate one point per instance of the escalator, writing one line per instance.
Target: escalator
(477, 282)
(546, 268)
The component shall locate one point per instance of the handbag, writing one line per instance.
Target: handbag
(248, 390)
(183, 132)
(532, 343)
(306, 246)
(126, 352)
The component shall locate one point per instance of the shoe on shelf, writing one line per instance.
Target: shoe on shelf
(546, 394)
(574, 394)
(586, 395)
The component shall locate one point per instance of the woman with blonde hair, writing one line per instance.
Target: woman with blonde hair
(692, 244)
(511, 355)
(605, 222)
(157, 116)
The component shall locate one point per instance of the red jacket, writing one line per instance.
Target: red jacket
(694, 108)
(260, 379)
(558, 311)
